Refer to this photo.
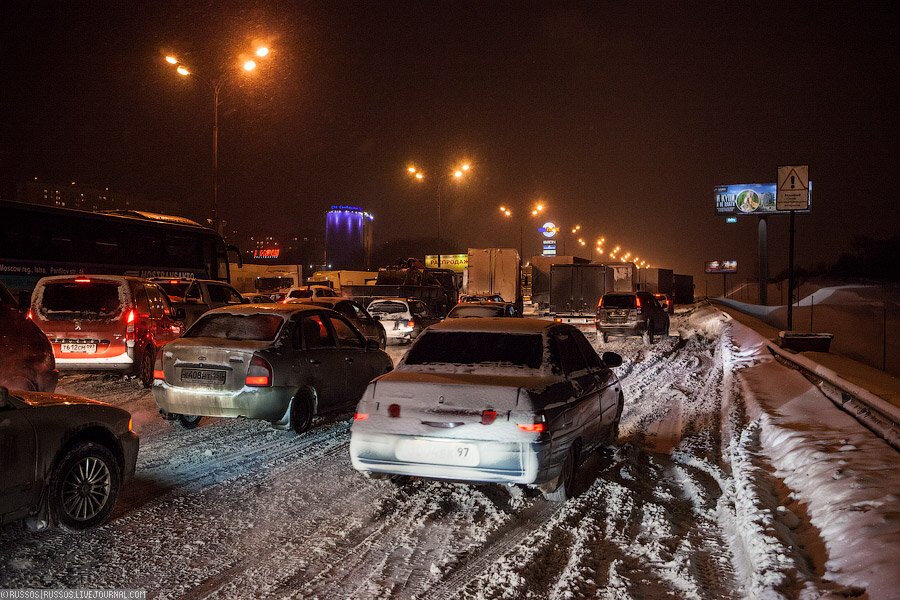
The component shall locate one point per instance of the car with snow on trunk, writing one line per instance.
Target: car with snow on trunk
(282, 363)
(490, 400)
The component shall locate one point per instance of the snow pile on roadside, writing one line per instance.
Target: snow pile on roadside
(816, 494)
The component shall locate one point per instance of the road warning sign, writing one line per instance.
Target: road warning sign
(792, 192)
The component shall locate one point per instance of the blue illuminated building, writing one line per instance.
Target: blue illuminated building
(348, 238)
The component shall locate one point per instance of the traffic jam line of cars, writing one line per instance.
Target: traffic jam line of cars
(479, 397)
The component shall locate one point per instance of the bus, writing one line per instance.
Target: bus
(37, 241)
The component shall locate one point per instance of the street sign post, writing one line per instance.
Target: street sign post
(792, 194)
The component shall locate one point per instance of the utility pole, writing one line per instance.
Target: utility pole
(790, 294)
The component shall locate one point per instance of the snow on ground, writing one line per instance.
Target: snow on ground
(715, 490)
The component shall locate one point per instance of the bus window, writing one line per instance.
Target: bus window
(182, 251)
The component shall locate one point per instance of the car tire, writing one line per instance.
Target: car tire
(189, 421)
(301, 414)
(648, 334)
(145, 370)
(382, 340)
(84, 486)
(563, 491)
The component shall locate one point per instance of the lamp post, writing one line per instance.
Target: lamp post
(214, 83)
(457, 174)
(536, 210)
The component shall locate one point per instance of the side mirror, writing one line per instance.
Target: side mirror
(611, 359)
(178, 314)
(245, 300)
(372, 345)
(376, 317)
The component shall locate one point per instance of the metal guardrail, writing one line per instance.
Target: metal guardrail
(875, 413)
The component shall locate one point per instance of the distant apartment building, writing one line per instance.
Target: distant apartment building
(95, 199)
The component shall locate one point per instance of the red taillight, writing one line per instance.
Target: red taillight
(159, 374)
(394, 410)
(637, 301)
(82, 280)
(260, 373)
(360, 416)
(130, 317)
(173, 281)
(412, 323)
(30, 315)
(532, 427)
(488, 417)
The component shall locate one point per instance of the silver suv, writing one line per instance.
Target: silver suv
(631, 314)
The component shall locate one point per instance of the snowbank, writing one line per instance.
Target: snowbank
(833, 487)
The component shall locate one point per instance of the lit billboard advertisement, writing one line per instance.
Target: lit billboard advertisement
(266, 252)
(721, 266)
(748, 199)
(456, 262)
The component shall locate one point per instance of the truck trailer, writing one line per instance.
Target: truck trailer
(576, 289)
(493, 271)
(655, 281)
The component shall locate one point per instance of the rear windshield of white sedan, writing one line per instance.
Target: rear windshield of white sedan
(477, 348)
(258, 328)
(459, 312)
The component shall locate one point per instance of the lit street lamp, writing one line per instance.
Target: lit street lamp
(215, 83)
(507, 213)
(456, 174)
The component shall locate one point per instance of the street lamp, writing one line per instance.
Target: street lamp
(214, 82)
(456, 174)
(507, 213)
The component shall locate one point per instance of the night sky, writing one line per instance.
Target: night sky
(621, 116)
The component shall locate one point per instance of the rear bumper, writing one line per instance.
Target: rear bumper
(266, 403)
(118, 362)
(499, 462)
(633, 328)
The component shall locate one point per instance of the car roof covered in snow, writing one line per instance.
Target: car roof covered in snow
(494, 325)
(283, 310)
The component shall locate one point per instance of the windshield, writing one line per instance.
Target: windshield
(477, 347)
(476, 311)
(260, 328)
(388, 308)
(618, 301)
(94, 300)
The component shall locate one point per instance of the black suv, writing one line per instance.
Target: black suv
(631, 314)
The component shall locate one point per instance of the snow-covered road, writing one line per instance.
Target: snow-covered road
(234, 509)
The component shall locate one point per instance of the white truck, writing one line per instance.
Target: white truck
(253, 279)
(493, 271)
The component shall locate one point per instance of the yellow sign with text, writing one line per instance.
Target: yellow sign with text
(456, 262)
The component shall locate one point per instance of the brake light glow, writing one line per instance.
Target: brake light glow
(82, 280)
(637, 301)
(412, 323)
(159, 374)
(488, 417)
(173, 281)
(30, 315)
(360, 416)
(130, 424)
(532, 427)
(394, 410)
(260, 373)
(130, 317)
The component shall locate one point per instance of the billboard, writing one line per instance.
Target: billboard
(456, 262)
(748, 199)
(721, 266)
(549, 248)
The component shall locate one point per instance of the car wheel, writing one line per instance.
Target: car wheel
(148, 356)
(566, 478)
(301, 414)
(648, 334)
(189, 421)
(84, 486)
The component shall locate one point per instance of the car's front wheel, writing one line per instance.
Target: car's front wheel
(84, 486)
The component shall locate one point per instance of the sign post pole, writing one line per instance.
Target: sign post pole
(790, 298)
(724, 285)
(763, 253)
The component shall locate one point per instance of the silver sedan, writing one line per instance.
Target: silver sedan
(282, 363)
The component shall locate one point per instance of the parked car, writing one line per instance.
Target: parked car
(258, 299)
(403, 319)
(483, 309)
(26, 357)
(368, 325)
(196, 296)
(308, 292)
(282, 363)
(666, 301)
(631, 314)
(515, 401)
(480, 298)
(64, 459)
(105, 322)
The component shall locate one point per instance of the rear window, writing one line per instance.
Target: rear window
(174, 289)
(618, 301)
(94, 301)
(477, 347)
(476, 311)
(388, 308)
(260, 328)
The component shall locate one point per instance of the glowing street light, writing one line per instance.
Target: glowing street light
(420, 176)
(411, 169)
(215, 85)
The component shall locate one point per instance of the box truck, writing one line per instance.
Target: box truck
(576, 289)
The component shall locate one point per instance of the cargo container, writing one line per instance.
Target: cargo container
(493, 271)
(539, 276)
(655, 281)
(624, 276)
(576, 289)
(684, 289)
